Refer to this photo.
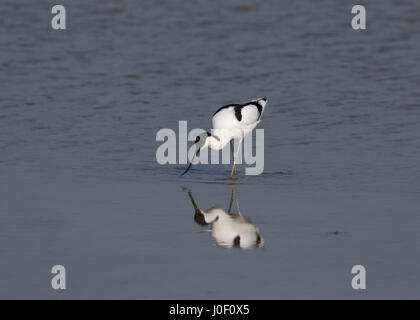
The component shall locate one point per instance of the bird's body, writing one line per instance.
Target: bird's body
(238, 115)
(228, 229)
(233, 121)
(233, 230)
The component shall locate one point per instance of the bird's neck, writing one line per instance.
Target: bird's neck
(216, 143)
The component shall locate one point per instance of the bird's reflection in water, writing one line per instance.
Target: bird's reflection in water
(230, 230)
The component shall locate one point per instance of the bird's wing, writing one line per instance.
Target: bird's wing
(224, 118)
(250, 114)
(228, 106)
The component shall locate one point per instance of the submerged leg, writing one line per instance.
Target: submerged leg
(231, 201)
(235, 195)
(231, 173)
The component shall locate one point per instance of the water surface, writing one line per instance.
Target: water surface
(80, 186)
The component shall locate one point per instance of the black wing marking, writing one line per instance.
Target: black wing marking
(237, 242)
(227, 106)
(260, 108)
(238, 113)
(238, 108)
(258, 239)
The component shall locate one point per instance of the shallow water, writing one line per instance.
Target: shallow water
(80, 186)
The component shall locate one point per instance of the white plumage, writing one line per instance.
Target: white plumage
(233, 121)
(228, 229)
(238, 119)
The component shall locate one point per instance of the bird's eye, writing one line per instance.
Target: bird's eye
(197, 139)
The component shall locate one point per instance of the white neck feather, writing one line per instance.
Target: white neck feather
(216, 143)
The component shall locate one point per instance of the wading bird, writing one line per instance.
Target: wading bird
(228, 229)
(233, 121)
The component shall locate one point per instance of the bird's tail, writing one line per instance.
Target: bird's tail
(262, 102)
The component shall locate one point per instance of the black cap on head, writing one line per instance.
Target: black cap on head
(199, 219)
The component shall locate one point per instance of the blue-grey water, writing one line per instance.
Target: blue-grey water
(80, 185)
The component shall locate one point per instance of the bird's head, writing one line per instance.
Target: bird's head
(201, 142)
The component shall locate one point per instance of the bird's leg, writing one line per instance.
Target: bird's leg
(233, 169)
(235, 158)
(235, 194)
(231, 201)
(239, 147)
(232, 149)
